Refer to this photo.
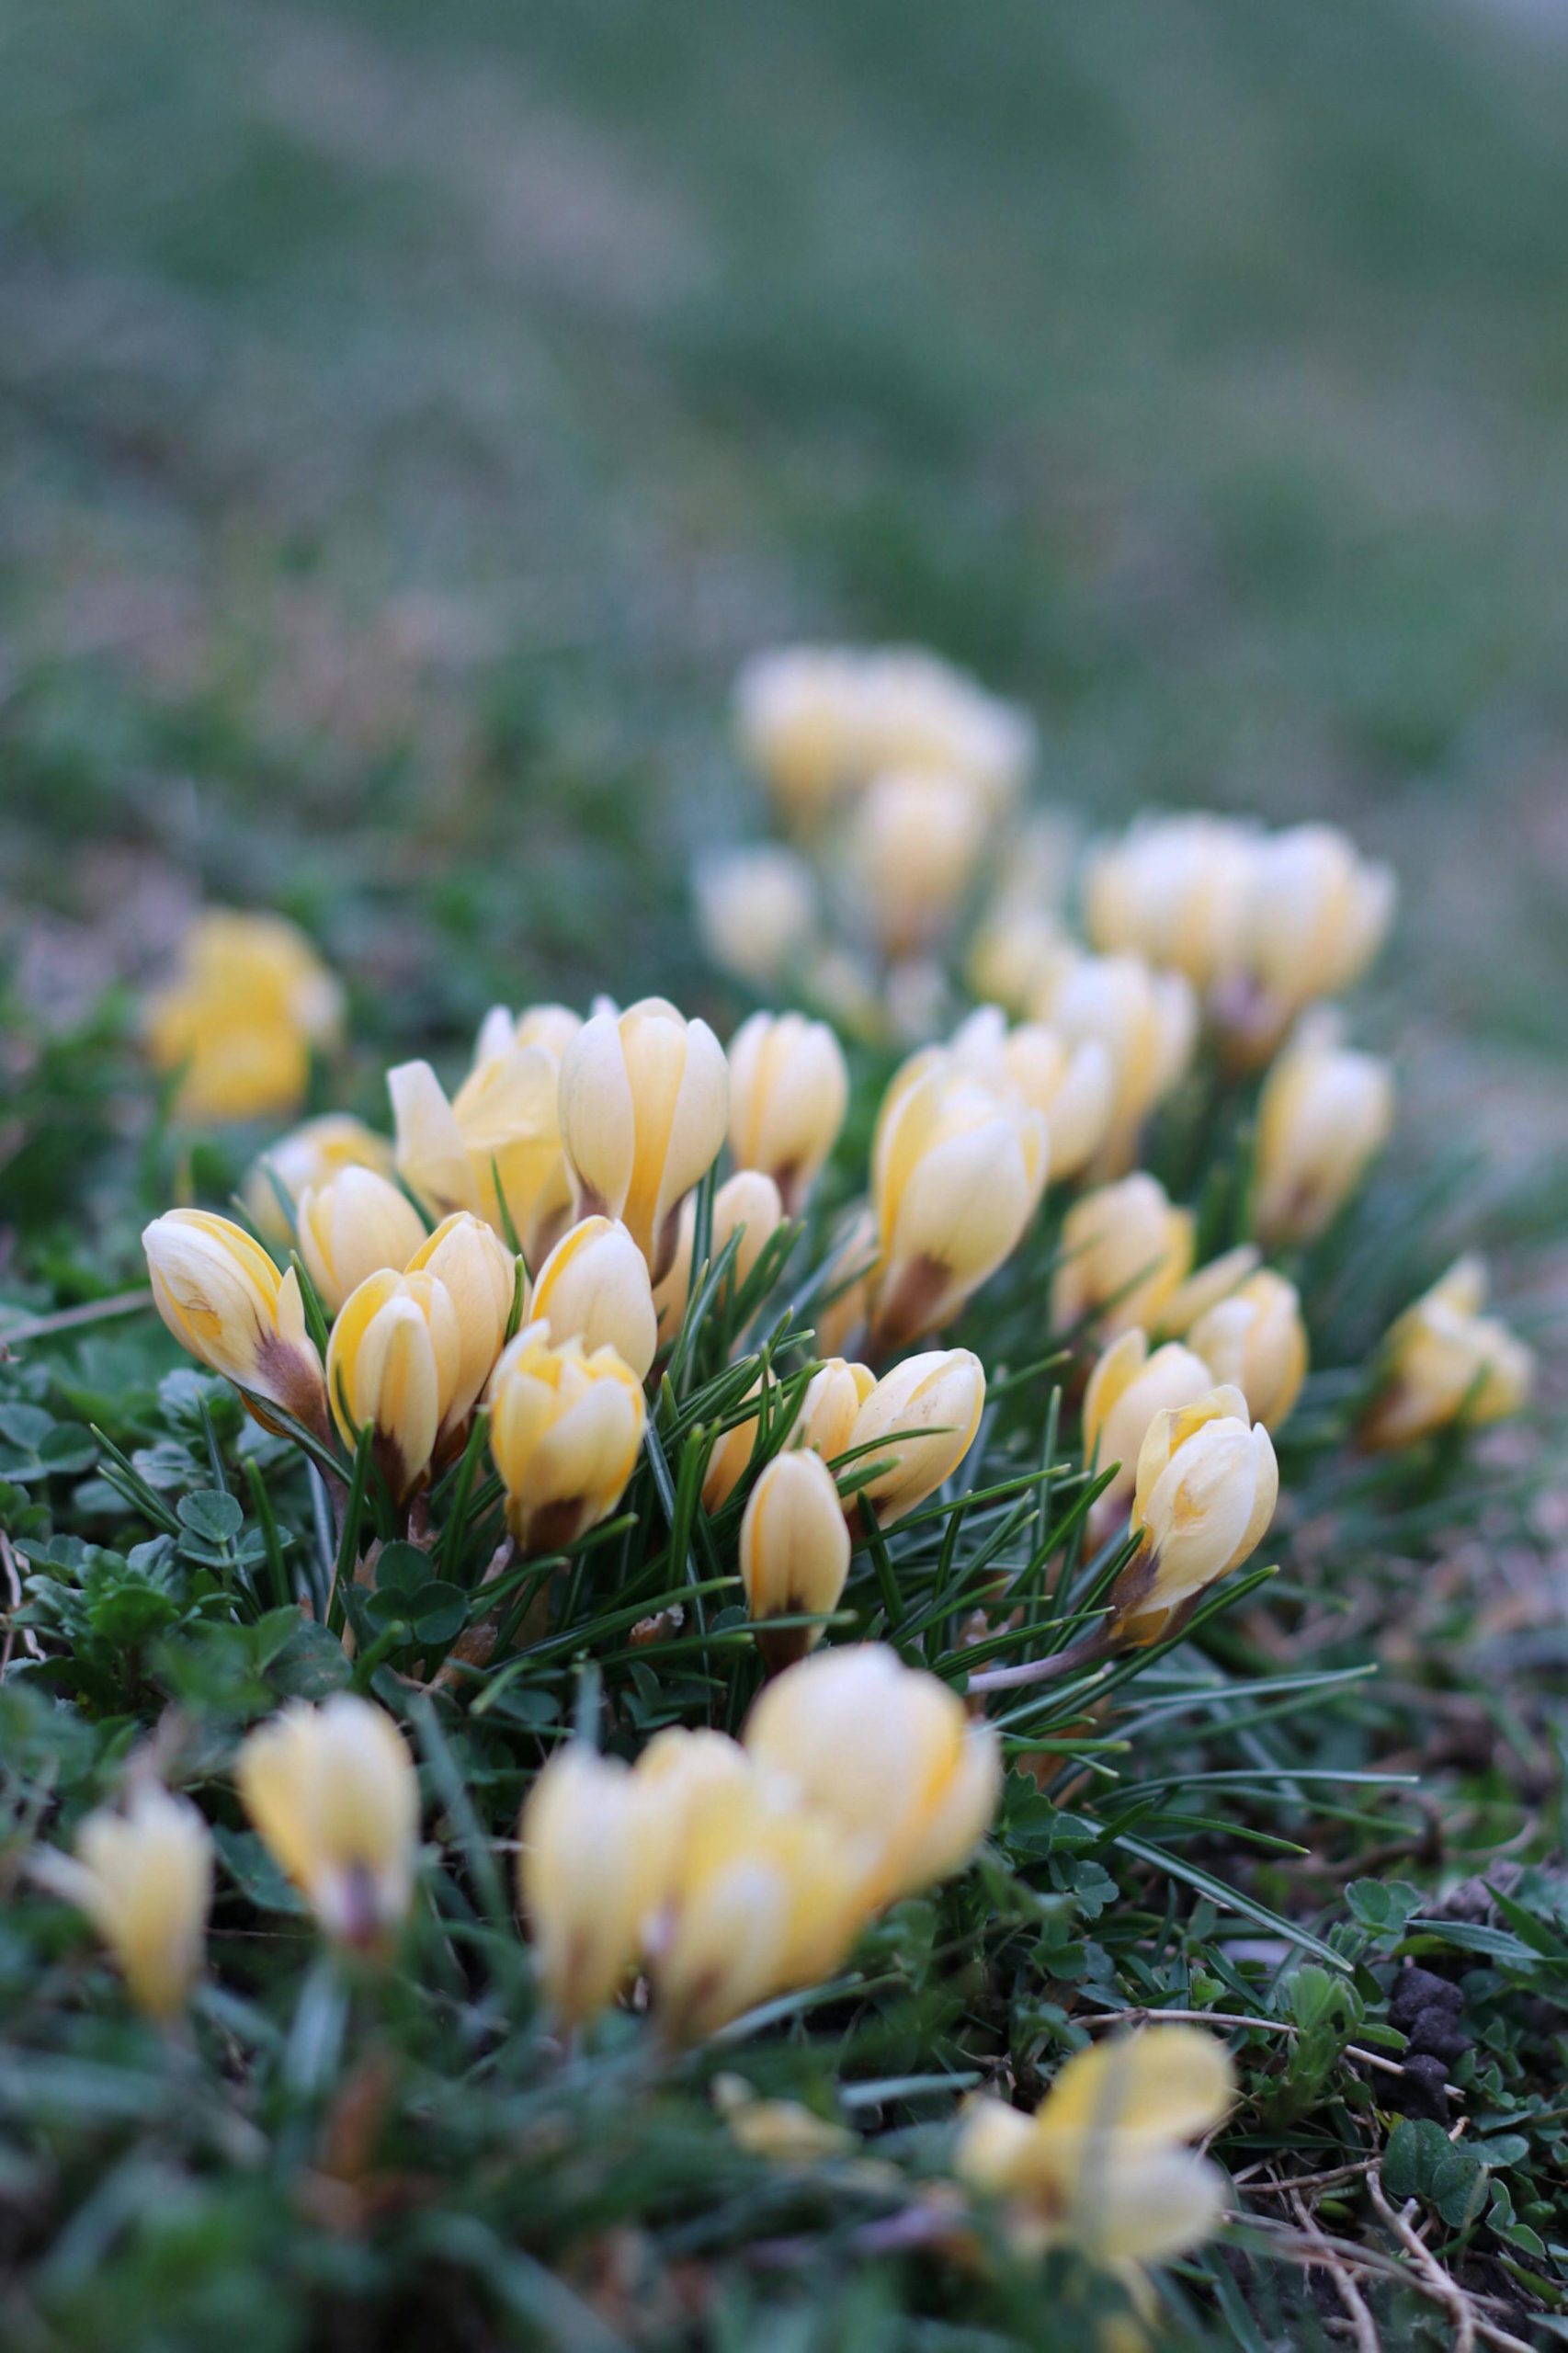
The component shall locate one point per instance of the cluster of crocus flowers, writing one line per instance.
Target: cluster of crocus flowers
(732, 1872)
(332, 1792)
(249, 1006)
(1102, 2166)
(1261, 923)
(1446, 1361)
(820, 723)
(496, 1148)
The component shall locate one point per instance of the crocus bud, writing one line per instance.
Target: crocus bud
(1100, 2168)
(1174, 890)
(889, 1754)
(394, 1366)
(332, 1792)
(1206, 1486)
(566, 1430)
(796, 717)
(594, 1287)
(761, 1894)
(1145, 1021)
(144, 1877)
(251, 1000)
(938, 1397)
(475, 1266)
(1019, 955)
(1124, 1252)
(584, 1876)
(1073, 1088)
(353, 1226)
(915, 844)
(645, 1102)
(1444, 1360)
(794, 1552)
(747, 1204)
(756, 909)
(1257, 1342)
(1315, 914)
(313, 1154)
(731, 1455)
(956, 1173)
(1127, 1388)
(1323, 1113)
(789, 1093)
(223, 1299)
(496, 1148)
(829, 1409)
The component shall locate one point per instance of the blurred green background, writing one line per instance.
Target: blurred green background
(411, 415)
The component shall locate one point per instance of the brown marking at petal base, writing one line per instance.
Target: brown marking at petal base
(294, 1380)
(913, 1309)
(782, 1646)
(556, 1525)
(666, 1243)
(1130, 1592)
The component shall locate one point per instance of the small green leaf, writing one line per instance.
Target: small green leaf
(211, 1515)
(401, 1569)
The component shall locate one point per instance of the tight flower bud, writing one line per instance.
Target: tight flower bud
(789, 1093)
(1315, 915)
(1145, 1022)
(746, 1204)
(585, 1878)
(889, 1754)
(794, 1552)
(251, 999)
(496, 1148)
(223, 1299)
(829, 1409)
(332, 1792)
(938, 1397)
(756, 909)
(917, 712)
(1124, 1252)
(144, 1877)
(956, 1173)
(353, 1226)
(475, 1266)
(762, 1894)
(1127, 1388)
(915, 845)
(594, 1287)
(1099, 2167)
(1019, 955)
(797, 720)
(1444, 1361)
(1257, 1342)
(1206, 1486)
(394, 1366)
(1323, 1113)
(566, 1430)
(644, 1103)
(1073, 1088)
(730, 1458)
(1174, 890)
(312, 1156)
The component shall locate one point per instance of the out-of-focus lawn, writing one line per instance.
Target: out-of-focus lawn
(410, 414)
